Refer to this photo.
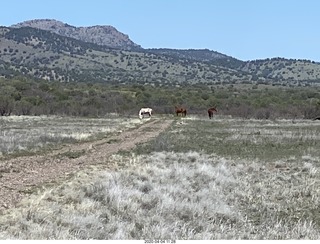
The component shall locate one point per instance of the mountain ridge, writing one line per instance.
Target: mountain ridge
(106, 35)
(45, 54)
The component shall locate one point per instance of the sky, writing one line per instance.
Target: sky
(243, 29)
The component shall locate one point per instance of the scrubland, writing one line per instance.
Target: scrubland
(201, 179)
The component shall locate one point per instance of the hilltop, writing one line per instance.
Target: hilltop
(47, 55)
(105, 35)
(52, 50)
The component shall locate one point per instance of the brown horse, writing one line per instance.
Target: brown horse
(211, 111)
(181, 110)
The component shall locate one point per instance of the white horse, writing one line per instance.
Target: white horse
(144, 111)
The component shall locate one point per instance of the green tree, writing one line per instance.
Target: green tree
(6, 105)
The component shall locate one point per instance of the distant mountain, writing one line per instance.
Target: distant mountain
(194, 54)
(52, 50)
(281, 69)
(47, 55)
(200, 55)
(99, 34)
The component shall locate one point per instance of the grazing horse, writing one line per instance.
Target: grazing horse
(181, 110)
(211, 111)
(144, 111)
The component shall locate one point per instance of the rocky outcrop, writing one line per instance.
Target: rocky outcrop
(100, 34)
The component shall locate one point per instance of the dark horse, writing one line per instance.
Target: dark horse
(181, 110)
(211, 111)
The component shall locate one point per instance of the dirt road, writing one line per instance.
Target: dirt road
(19, 175)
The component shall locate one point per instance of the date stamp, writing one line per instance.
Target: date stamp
(159, 241)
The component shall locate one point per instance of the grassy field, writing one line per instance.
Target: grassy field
(27, 134)
(201, 179)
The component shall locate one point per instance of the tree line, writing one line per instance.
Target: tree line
(23, 96)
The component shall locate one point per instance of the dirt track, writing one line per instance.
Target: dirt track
(19, 175)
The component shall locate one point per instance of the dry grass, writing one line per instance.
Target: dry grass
(31, 133)
(265, 140)
(162, 196)
(189, 184)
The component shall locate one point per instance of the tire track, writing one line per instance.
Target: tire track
(18, 176)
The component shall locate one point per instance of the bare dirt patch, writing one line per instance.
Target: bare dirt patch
(19, 175)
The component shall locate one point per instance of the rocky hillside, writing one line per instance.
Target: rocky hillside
(100, 34)
(46, 55)
(200, 55)
(52, 50)
(280, 69)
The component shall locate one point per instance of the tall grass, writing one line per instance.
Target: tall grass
(170, 195)
(163, 196)
(219, 179)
